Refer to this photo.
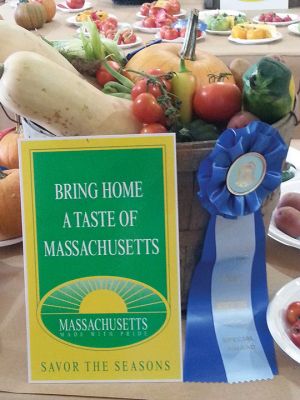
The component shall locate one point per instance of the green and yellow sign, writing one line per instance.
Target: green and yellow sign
(101, 252)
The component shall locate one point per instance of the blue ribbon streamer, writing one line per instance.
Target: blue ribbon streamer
(220, 348)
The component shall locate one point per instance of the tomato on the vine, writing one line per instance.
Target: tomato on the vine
(153, 128)
(146, 109)
(217, 102)
(103, 76)
(141, 86)
(159, 72)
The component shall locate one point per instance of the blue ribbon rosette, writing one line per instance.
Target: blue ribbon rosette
(227, 339)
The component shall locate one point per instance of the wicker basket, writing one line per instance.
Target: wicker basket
(193, 217)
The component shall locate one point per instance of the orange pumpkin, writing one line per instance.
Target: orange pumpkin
(50, 7)
(166, 57)
(10, 210)
(9, 148)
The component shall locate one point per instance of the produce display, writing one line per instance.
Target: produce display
(223, 21)
(159, 19)
(155, 91)
(287, 214)
(94, 15)
(172, 7)
(274, 17)
(172, 33)
(253, 31)
(292, 317)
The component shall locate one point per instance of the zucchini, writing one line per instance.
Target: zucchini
(64, 103)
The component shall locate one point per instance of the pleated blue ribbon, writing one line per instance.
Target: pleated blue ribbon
(227, 339)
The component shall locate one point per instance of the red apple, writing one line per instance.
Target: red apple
(75, 3)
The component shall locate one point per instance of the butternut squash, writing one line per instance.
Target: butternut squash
(15, 38)
(60, 101)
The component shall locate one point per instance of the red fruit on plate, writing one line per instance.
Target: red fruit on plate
(75, 3)
(292, 313)
(295, 333)
(144, 9)
(149, 22)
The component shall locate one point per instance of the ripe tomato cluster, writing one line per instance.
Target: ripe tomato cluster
(150, 9)
(273, 17)
(145, 105)
(159, 19)
(170, 33)
(109, 28)
(292, 315)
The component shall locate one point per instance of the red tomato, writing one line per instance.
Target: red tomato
(217, 102)
(128, 36)
(164, 22)
(146, 109)
(142, 87)
(158, 72)
(107, 26)
(103, 76)
(144, 9)
(293, 312)
(183, 31)
(169, 33)
(153, 11)
(75, 3)
(112, 21)
(295, 333)
(110, 34)
(149, 22)
(153, 128)
(174, 6)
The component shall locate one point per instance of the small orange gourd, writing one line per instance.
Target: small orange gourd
(166, 56)
(9, 148)
(50, 7)
(10, 210)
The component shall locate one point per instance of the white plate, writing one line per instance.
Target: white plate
(292, 185)
(179, 39)
(10, 242)
(182, 13)
(72, 20)
(87, 5)
(139, 27)
(276, 317)
(277, 36)
(294, 29)
(221, 33)
(294, 18)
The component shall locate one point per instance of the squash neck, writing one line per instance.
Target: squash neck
(1, 70)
